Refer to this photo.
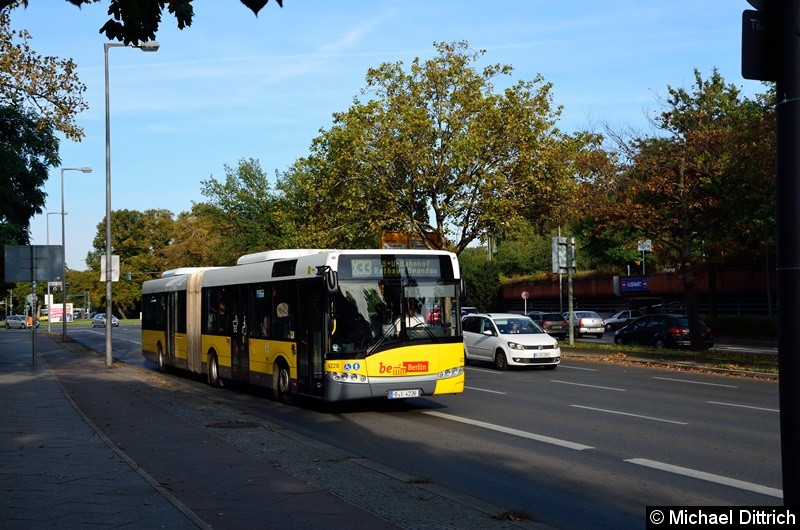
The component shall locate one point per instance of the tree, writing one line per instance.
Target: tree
(139, 239)
(243, 211)
(48, 84)
(195, 235)
(481, 279)
(27, 149)
(435, 150)
(135, 21)
(699, 185)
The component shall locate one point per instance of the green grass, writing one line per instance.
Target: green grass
(714, 359)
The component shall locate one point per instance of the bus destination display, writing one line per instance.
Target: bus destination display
(361, 268)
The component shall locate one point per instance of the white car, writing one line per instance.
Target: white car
(508, 340)
(587, 323)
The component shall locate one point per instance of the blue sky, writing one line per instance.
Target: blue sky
(237, 86)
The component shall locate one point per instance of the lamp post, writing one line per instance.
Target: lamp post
(50, 302)
(149, 46)
(64, 254)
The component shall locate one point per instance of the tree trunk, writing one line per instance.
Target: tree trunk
(690, 289)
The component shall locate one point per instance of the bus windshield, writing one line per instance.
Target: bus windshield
(371, 314)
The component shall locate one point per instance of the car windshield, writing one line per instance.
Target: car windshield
(552, 316)
(508, 326)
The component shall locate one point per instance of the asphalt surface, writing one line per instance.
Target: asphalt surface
(123, 447)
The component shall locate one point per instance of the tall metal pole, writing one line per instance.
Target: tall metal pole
(49, 301)
(64, 254)
(787, 162)
(570, 306)
(150, 46)
(63, 266)
(109, 349)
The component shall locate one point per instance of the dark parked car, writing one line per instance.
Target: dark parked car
(553, 323)
(662, 331)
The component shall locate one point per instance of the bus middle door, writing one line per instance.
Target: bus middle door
(171, 325)
(240, 355)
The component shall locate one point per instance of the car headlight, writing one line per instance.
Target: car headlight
(515, 346)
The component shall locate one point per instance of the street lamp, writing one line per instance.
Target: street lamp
(49, 301)
(63, 252)
(149, 46)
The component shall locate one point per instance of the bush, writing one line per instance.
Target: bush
(743, 326)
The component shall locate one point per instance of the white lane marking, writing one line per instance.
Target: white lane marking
(694, 382)
(485, 370)
(484, 390)
(742, 406)
(507, 430)
(709, 477)
(590, 386)
(629, 414)
(562, 365)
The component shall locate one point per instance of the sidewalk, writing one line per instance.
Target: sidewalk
(83, 444)
(58, 469)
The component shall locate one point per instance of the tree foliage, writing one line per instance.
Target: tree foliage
(242, 209)
(699, 188)
(140, 239)
(27, 150)
(436, 149)
(195, 236)
(134, 21)
(45, 83)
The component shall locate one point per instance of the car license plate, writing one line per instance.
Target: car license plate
(399, 394)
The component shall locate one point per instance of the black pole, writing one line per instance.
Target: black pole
(787, 119)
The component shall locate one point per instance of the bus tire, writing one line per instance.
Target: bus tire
(280, 382)
(213, 371)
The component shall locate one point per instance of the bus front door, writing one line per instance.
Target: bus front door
(310, 326)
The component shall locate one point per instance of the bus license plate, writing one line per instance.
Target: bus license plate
(399, 394)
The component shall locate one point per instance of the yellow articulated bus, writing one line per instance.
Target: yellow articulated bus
(334, 325)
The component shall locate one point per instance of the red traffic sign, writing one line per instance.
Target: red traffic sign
(525, 295)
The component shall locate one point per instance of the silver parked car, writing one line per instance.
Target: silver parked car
(587, 323)
(18, 321)
(620, 319)
(99, 321)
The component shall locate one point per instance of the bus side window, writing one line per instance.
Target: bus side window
(282, 325)
(262, 304)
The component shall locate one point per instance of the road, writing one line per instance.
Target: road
(589, 444)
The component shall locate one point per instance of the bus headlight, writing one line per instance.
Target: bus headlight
(451, 372)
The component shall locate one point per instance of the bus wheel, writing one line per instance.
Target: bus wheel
(162, 367)
(280, 382)
(213, 371)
